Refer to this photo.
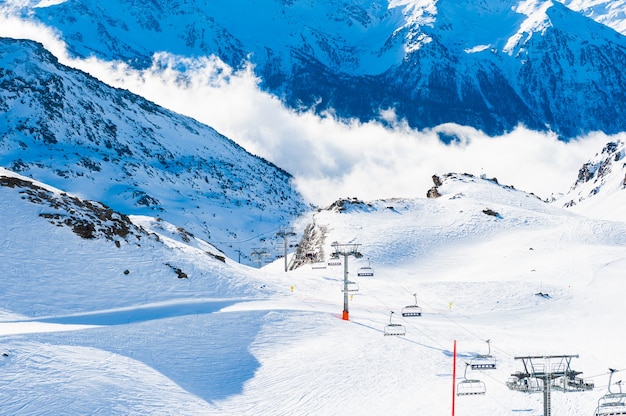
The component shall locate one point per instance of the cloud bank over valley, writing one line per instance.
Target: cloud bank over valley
(332, 158)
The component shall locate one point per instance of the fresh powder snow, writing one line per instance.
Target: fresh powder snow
(90, 326)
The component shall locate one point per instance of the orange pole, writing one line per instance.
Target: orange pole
(453, 377)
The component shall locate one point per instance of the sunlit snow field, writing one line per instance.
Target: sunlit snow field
(90, 328)
(81, 337)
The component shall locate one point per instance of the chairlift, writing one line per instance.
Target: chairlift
(612, 403)
(321, 264)
(366, 271)
(394, 329)
(468, 387)
(484, 362)
(334, 260)
(570, 382)
(412, 310)
(350, 286)
(524, 384)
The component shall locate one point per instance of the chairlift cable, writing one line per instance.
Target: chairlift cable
(491, 376)
(411, 324)
(446, 316)
(604, 374)
(452, 321)
(390, 308)
(246, 240)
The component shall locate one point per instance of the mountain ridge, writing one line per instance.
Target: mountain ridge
(359, 58)
(599, 190)
(69, 130)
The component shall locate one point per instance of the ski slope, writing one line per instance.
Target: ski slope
(79, 336)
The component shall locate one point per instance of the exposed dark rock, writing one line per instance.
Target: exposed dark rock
(489, 211)
(88, 219)
(181, 274)
(433, 193)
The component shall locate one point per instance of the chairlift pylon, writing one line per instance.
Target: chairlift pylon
(484, 362)
(412, 310)
(394, 329)
(612, 403)
(468, 387)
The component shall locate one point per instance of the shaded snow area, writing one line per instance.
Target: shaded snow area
(157, 322)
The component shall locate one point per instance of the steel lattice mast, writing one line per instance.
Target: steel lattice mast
(346, 250)
(553, 375)
(284, 234)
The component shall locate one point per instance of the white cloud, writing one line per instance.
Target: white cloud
(330, 158)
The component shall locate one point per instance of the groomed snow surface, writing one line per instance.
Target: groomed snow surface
(91, 328)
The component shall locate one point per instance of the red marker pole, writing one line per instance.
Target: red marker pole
(453, 377)
(346, 315)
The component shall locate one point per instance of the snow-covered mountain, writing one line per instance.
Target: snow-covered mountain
(488, 64)
(138, 317)
(491, 203)
(106, 312)
(78, 244)
(67, 129)
(74, 264)
(600, 188)
(609, 12)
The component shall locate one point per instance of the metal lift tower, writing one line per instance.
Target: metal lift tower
(346, 250)
(554, 372)
(284, 234)
(259, 253)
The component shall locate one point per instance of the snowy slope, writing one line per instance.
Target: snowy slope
(609, 12)
(108, 246)
(600, 188)
(231, 340)
(117, 284)
(66, 128)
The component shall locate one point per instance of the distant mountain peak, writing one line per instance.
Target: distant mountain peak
(490, 64)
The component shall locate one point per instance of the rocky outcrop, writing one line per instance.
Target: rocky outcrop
(434, 192)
